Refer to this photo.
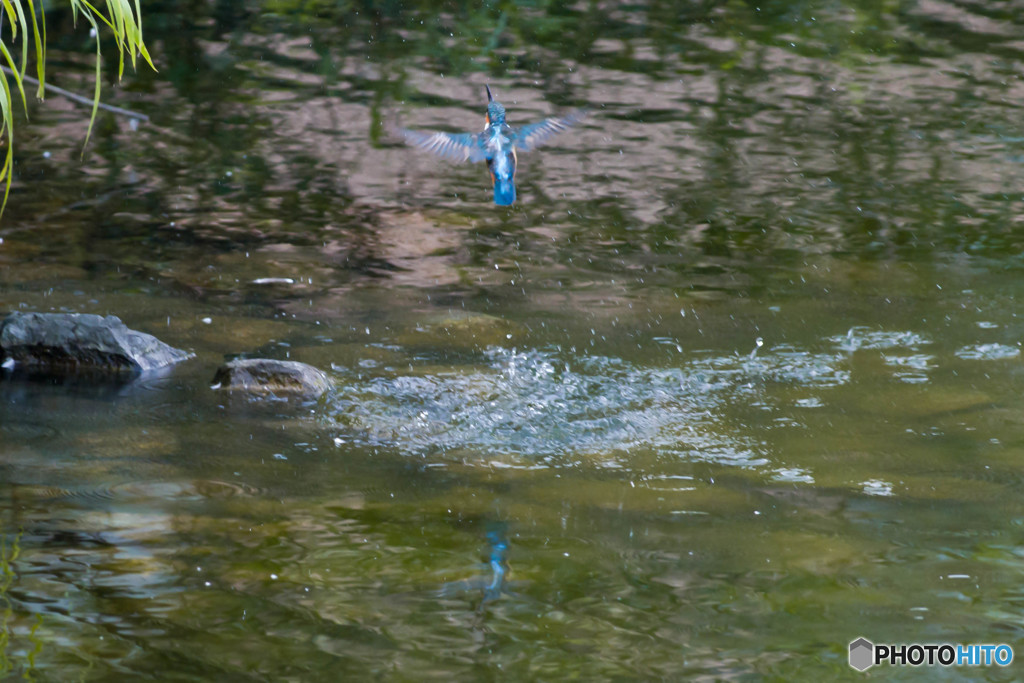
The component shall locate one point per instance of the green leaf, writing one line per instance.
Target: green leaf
(24, 34)
(89, 10)
(40, 47)
(96, 96)
(12, 16)
(24, 52)
(17, 79)
(7, 168)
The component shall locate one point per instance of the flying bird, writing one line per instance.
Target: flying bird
(496, 144)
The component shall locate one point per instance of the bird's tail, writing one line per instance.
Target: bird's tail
(504, 191)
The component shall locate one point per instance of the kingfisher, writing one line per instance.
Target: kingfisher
(496, 144)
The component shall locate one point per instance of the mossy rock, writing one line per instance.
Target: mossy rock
(267, 377)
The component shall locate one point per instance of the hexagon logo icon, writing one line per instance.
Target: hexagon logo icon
(862, 654)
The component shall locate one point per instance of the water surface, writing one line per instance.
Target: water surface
(735, 382)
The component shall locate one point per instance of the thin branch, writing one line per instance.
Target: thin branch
(83, 100)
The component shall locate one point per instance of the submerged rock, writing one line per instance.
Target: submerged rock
(64, 343)
(461, 330)
(263, 376)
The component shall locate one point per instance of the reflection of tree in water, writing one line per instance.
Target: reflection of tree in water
(734, 131)
(10, 549)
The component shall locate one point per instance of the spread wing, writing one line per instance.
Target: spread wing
(532, 136)
(453, 146)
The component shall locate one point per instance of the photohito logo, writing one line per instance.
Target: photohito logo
(864, 654)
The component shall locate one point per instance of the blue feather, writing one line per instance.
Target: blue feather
(504, 191)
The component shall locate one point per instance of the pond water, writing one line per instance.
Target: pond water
(736, 381)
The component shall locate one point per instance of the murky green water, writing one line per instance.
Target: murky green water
(556, 450)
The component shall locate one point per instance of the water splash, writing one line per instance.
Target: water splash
(540, 406)
(987, 352)
(858, 337)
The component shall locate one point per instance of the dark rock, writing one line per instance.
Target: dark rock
(64, 343)
(262, 376)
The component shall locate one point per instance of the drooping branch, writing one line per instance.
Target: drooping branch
(80, 99)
